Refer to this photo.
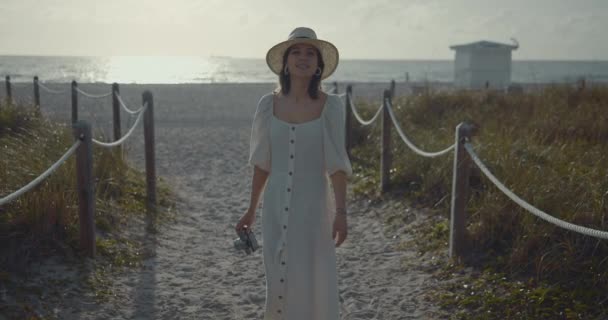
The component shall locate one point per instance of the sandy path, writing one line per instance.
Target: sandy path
(193, 272)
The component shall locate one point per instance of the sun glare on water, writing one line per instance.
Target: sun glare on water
(152, 69)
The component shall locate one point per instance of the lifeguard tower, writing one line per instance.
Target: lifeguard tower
(483, 64)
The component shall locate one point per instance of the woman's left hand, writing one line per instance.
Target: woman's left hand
(339, 229)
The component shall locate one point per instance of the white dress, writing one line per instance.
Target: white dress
(298, 209)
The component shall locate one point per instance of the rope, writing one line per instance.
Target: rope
(127, 109)
(93, 96)
(409, 143)
(358, 116)
(341, 95)
(126, 136)
(529, 207)
(40, 178)
(49, 90)
(20, 85)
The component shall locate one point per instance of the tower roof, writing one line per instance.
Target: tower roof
(485, 45)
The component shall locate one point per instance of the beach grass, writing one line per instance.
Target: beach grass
(550, 147)
(44, 222)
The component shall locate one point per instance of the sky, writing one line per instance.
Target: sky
(361, 29)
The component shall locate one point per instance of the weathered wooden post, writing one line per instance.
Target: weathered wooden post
(9, 91)
(460, 192)
(335, 87)
(392, 89)
(148, 100)
(116, 116)
(36, 93)
(85, 187)
(74, 101)
(349, 121)
(582, 83)
(385, 163)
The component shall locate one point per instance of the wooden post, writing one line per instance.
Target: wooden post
(116, 115)
(460, 190)
(36, 93)
(74, 101)
(349, 121)
(392, 89)
(581, 84)
(9, 91)
(335, 87)
(385, 163)
(85, 187)
(148, 100)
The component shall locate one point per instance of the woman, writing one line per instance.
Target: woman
(297, 148)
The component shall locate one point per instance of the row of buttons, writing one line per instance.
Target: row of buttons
(289, 186)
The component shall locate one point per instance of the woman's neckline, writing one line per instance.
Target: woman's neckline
(300, 123)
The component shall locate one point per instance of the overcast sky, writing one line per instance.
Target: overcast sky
(361, 29)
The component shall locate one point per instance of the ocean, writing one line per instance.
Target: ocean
(171, 70)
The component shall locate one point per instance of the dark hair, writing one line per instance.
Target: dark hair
(315, 83)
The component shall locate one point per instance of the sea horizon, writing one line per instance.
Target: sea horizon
(258, 58)
(224, 69)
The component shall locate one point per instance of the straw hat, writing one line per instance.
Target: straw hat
(329, 52)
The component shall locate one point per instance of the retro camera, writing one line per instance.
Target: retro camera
(246, 241)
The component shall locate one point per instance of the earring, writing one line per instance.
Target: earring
(318, 73)
(286, 71)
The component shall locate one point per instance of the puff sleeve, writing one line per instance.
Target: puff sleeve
(259, 146)
(336, 158)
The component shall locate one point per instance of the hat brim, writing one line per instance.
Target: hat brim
(329, 52)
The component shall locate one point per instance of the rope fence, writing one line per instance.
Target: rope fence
(82, 148)
(93, 96)
(21, 85)
(51, 91)
(535, 211)
(464, 158)
(408, 142)
(126, 136)
(464, 155)
(84, 93)
(359, 117)
(124, 107)
(28, 187)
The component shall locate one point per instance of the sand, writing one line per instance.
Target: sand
(191, 270)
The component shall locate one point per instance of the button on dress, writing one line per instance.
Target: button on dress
(298, 209)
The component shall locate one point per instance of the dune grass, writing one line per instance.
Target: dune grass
(44, 222)
(551, 148)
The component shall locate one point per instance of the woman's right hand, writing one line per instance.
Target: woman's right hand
(248, 219)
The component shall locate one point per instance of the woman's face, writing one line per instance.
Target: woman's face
(302, 61)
